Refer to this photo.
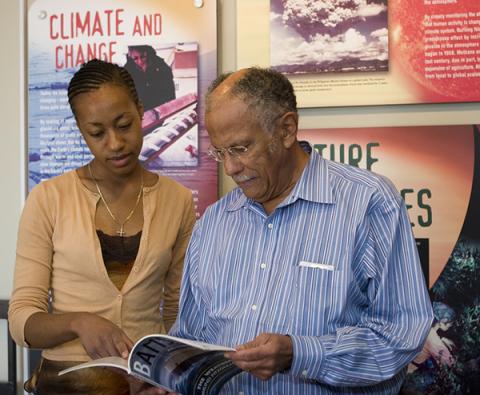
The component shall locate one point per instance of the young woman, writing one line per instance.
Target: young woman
(104, 244)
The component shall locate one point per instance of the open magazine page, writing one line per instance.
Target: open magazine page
(112, 362)
(180, 367)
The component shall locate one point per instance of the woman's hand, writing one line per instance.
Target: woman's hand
(138, 387)
(100, 337)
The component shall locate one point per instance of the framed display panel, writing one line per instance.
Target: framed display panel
(437, 171)
(366, 52)
(179, 36)
(61, 35)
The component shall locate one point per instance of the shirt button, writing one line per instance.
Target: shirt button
(119, 296)
(270, 226)
(254, 307)
(135, 269)
(304, 373)
(263, 265)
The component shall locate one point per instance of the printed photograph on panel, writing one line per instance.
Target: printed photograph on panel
(166, 78)
(328, 36)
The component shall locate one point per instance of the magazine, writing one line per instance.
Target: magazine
(178, 365)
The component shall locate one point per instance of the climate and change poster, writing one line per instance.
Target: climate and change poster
(366, 52)
(178, 42)
(437, 171)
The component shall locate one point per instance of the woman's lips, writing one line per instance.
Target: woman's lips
(121, 160)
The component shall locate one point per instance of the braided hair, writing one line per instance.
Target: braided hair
(95, 73)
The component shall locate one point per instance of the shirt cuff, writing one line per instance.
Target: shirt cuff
(308, 357)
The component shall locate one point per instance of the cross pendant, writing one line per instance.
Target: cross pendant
(121, 232)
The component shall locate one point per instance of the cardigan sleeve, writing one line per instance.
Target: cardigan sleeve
(174, 274)
(33, 264)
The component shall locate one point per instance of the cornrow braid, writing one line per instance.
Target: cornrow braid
(93, 74)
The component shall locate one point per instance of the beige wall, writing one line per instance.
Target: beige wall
(12, 155)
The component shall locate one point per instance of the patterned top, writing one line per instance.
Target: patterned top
(335, 266)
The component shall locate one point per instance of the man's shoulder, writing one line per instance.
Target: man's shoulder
(356, 175)
(344, 175)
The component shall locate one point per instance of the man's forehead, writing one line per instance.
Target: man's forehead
(227, 107)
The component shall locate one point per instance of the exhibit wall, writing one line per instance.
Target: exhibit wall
(12, 112)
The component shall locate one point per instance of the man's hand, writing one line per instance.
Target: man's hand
(100, 337)
(264, 356)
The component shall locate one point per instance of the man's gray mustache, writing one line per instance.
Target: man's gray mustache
(241, 178)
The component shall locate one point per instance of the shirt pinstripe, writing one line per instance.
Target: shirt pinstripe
(335, 266)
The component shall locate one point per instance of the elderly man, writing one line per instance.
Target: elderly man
(309, 268)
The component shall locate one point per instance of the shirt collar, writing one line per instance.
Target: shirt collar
(313, 185)
(239, 202)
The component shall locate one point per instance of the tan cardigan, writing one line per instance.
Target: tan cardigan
(58, 249)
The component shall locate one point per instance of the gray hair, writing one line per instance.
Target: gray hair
(267, 93)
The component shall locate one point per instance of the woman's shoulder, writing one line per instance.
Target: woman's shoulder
(64, 181)
(167, 185)
(51, 192)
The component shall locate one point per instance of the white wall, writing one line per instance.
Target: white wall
(11, 155)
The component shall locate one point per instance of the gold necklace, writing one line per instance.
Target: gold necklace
(120, 232)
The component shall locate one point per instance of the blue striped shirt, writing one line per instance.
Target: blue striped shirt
(335, 266)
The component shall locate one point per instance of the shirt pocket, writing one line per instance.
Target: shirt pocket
(315, 290)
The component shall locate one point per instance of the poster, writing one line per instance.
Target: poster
(366, 52)
(177, 40)
(328, 37)
(437, 171)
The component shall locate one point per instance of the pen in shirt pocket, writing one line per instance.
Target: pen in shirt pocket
(315, 265)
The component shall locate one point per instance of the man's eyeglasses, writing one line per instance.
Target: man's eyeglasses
(235, 151)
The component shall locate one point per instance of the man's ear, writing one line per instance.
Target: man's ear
(288, 125)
